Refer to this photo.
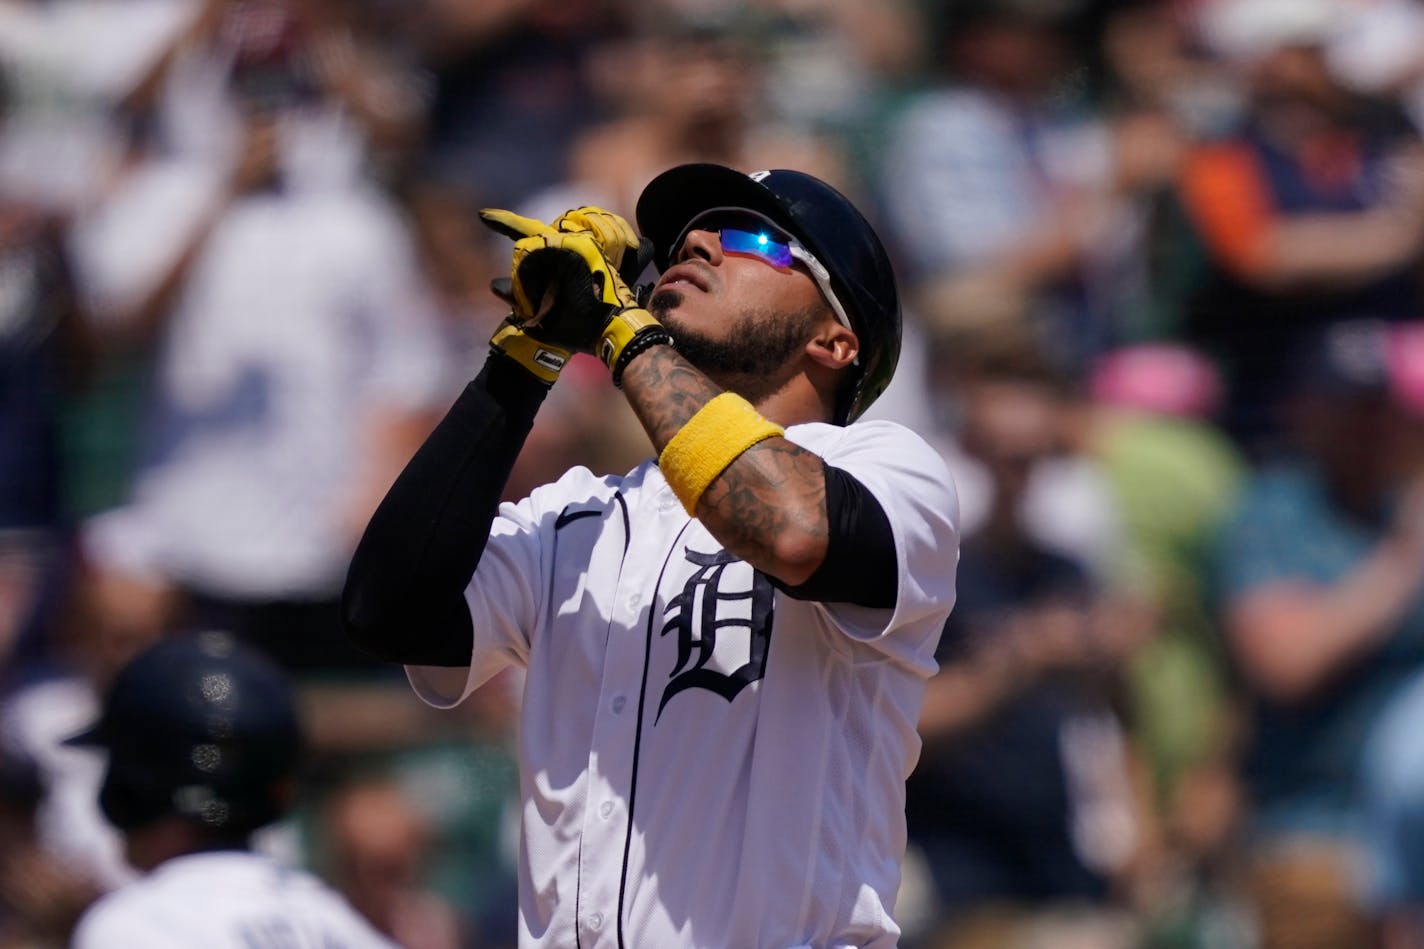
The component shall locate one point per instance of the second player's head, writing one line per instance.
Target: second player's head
(203, 739)
(816, 270)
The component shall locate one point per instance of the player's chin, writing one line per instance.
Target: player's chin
(664, 302)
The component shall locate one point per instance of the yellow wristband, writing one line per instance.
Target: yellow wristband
(709, 442)
(619, 332)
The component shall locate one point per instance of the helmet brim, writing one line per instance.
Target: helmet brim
(95, 736)
(672, 199)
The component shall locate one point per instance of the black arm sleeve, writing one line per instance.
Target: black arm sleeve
(404, 597)
(860, 553)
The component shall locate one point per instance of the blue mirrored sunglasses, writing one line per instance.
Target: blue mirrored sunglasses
(766, 243)
(757, 244)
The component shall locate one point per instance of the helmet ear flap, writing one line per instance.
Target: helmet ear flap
(131, 796)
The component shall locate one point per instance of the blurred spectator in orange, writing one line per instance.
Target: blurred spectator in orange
(1321, 578)
(376, 845)
(298, 360)
(1024, 802)
(1313, 211)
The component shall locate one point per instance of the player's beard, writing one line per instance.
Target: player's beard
(754, 349)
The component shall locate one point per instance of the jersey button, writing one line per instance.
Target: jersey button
(605, 809)
(632, 601)
(618, 703)
(595, 922)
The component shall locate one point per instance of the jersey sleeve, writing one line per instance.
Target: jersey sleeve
(507, 595)
(916, 491)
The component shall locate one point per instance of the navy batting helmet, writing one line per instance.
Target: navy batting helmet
(822, 219)
(201, 727)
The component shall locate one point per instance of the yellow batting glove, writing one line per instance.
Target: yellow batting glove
(613, 233)
(513, 226)
(531, 269)
(542, 360)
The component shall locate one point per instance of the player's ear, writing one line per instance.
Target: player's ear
(833, 346)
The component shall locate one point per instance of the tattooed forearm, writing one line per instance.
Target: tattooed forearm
(665, 391)
(769, 502)
(769, 506)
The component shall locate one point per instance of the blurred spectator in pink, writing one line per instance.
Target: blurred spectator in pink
(1313, 211)
(1148, 422)
(1320, 574)
(298, 361)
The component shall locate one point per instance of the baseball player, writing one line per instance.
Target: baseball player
(725, 649)
(202, 740)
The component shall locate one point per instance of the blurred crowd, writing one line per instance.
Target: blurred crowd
(1164, 270)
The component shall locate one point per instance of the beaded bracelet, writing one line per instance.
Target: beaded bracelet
(644, 341)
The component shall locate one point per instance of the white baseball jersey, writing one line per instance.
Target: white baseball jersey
(705, 761)
(226, 900)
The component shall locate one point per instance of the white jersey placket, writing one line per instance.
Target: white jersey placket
(623, 707)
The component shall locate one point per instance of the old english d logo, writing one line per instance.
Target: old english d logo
(725, 604)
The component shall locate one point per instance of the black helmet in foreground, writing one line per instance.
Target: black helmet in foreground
(822, 219)
(201, 727)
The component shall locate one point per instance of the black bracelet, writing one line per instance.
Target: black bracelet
(646, 339)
